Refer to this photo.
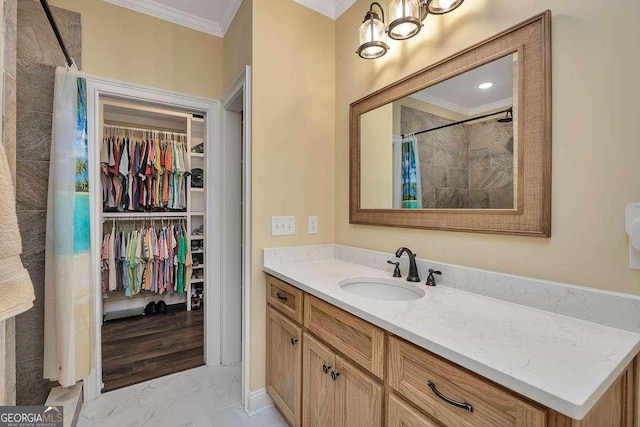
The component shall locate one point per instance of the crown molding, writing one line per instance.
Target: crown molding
(228, 17)
(469, 112)
(507, 102)
(149, 7)
(330, 8)
(439, 102)
(341, 6)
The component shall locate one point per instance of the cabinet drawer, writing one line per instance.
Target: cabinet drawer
(401, 414)
(285, 298)
(359, 340)
(412, 370)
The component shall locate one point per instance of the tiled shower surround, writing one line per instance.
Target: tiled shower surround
(463, 166)
(38, 54)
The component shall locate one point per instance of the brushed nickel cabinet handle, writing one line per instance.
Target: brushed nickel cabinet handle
(335, 375)
(280, 297)
(463, 405)
(294, 341)
(325, 368)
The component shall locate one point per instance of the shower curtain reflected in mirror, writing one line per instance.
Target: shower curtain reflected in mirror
(67, 338)
(411, 180)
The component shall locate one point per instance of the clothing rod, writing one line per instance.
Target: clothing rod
(510, 109)
(142, 219)
(144, 130)
(47, 10)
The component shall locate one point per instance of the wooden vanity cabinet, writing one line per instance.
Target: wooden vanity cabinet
(327, 367)
(427, 380)
(284, 365)
(335, 392)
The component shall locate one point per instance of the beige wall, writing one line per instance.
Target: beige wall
(595, 145)
(377, 158)
(238, 43)
(293, 139)
(125, 45)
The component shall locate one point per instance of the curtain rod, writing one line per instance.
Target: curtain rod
(404, 135)
(47, 10)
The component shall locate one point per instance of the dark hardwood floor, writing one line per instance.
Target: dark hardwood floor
(140, 348)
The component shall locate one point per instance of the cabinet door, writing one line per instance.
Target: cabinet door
(284, 365)
(358, 397)
(401, 414)
(318, 396)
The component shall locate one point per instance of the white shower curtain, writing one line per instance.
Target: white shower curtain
(67, 338)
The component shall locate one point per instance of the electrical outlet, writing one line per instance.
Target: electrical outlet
(313, 225)
(283, 225)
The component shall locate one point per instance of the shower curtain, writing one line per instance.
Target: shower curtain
(67, 338)
(411, 182)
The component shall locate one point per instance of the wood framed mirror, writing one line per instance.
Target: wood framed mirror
(462, 145)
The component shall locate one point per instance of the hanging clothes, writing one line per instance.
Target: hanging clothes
(147, 259)
(143, 174)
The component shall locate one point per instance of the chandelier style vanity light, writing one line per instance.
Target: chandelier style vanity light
(405, 21)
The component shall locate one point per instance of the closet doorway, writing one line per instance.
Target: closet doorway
(155, 195)
(236, 174)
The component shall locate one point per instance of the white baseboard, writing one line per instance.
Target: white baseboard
(257, 401)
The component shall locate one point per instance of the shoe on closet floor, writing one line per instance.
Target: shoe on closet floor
(161, 307)
(151, 309)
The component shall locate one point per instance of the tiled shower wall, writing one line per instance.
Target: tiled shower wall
(463, 166)
(444, 158)
(7, 327)
(38, 53)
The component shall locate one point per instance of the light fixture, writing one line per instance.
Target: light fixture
(485, 85)
(405, 17)
(372, 35)
(440, 7)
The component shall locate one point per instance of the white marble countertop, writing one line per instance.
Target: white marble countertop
(561, 362)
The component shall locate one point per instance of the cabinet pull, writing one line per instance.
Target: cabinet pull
(294, 341)
(325, 368)
(335, 375)
(463, 405)
(280, 297)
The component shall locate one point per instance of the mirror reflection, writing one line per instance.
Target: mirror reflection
(452, 145)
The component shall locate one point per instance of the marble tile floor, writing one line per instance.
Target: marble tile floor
(204, 396)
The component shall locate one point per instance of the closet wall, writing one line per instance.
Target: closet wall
(38, 54)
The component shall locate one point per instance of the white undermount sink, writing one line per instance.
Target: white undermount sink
(383, 289)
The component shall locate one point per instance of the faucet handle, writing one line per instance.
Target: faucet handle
(431, 281)
(396, 271)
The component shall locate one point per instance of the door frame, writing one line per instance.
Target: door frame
(98, 87)
(242, 85)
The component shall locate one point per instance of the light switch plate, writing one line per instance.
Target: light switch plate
(313, 225)
(283, 225)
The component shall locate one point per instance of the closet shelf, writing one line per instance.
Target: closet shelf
(194, 281)
(198, 237)
(198, 189)
(201, 155)
(197, 252)
(119, 215)
(198, 267)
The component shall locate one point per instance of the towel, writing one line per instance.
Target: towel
(16, 289)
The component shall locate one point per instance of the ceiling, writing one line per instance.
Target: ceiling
(215, 16)
(462, 95)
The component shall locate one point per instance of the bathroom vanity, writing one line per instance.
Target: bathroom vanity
(445, 358)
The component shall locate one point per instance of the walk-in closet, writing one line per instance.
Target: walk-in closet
(153, 251)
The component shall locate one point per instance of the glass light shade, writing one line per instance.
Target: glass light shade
(439, 7)
(404, 19)
(372, 38)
